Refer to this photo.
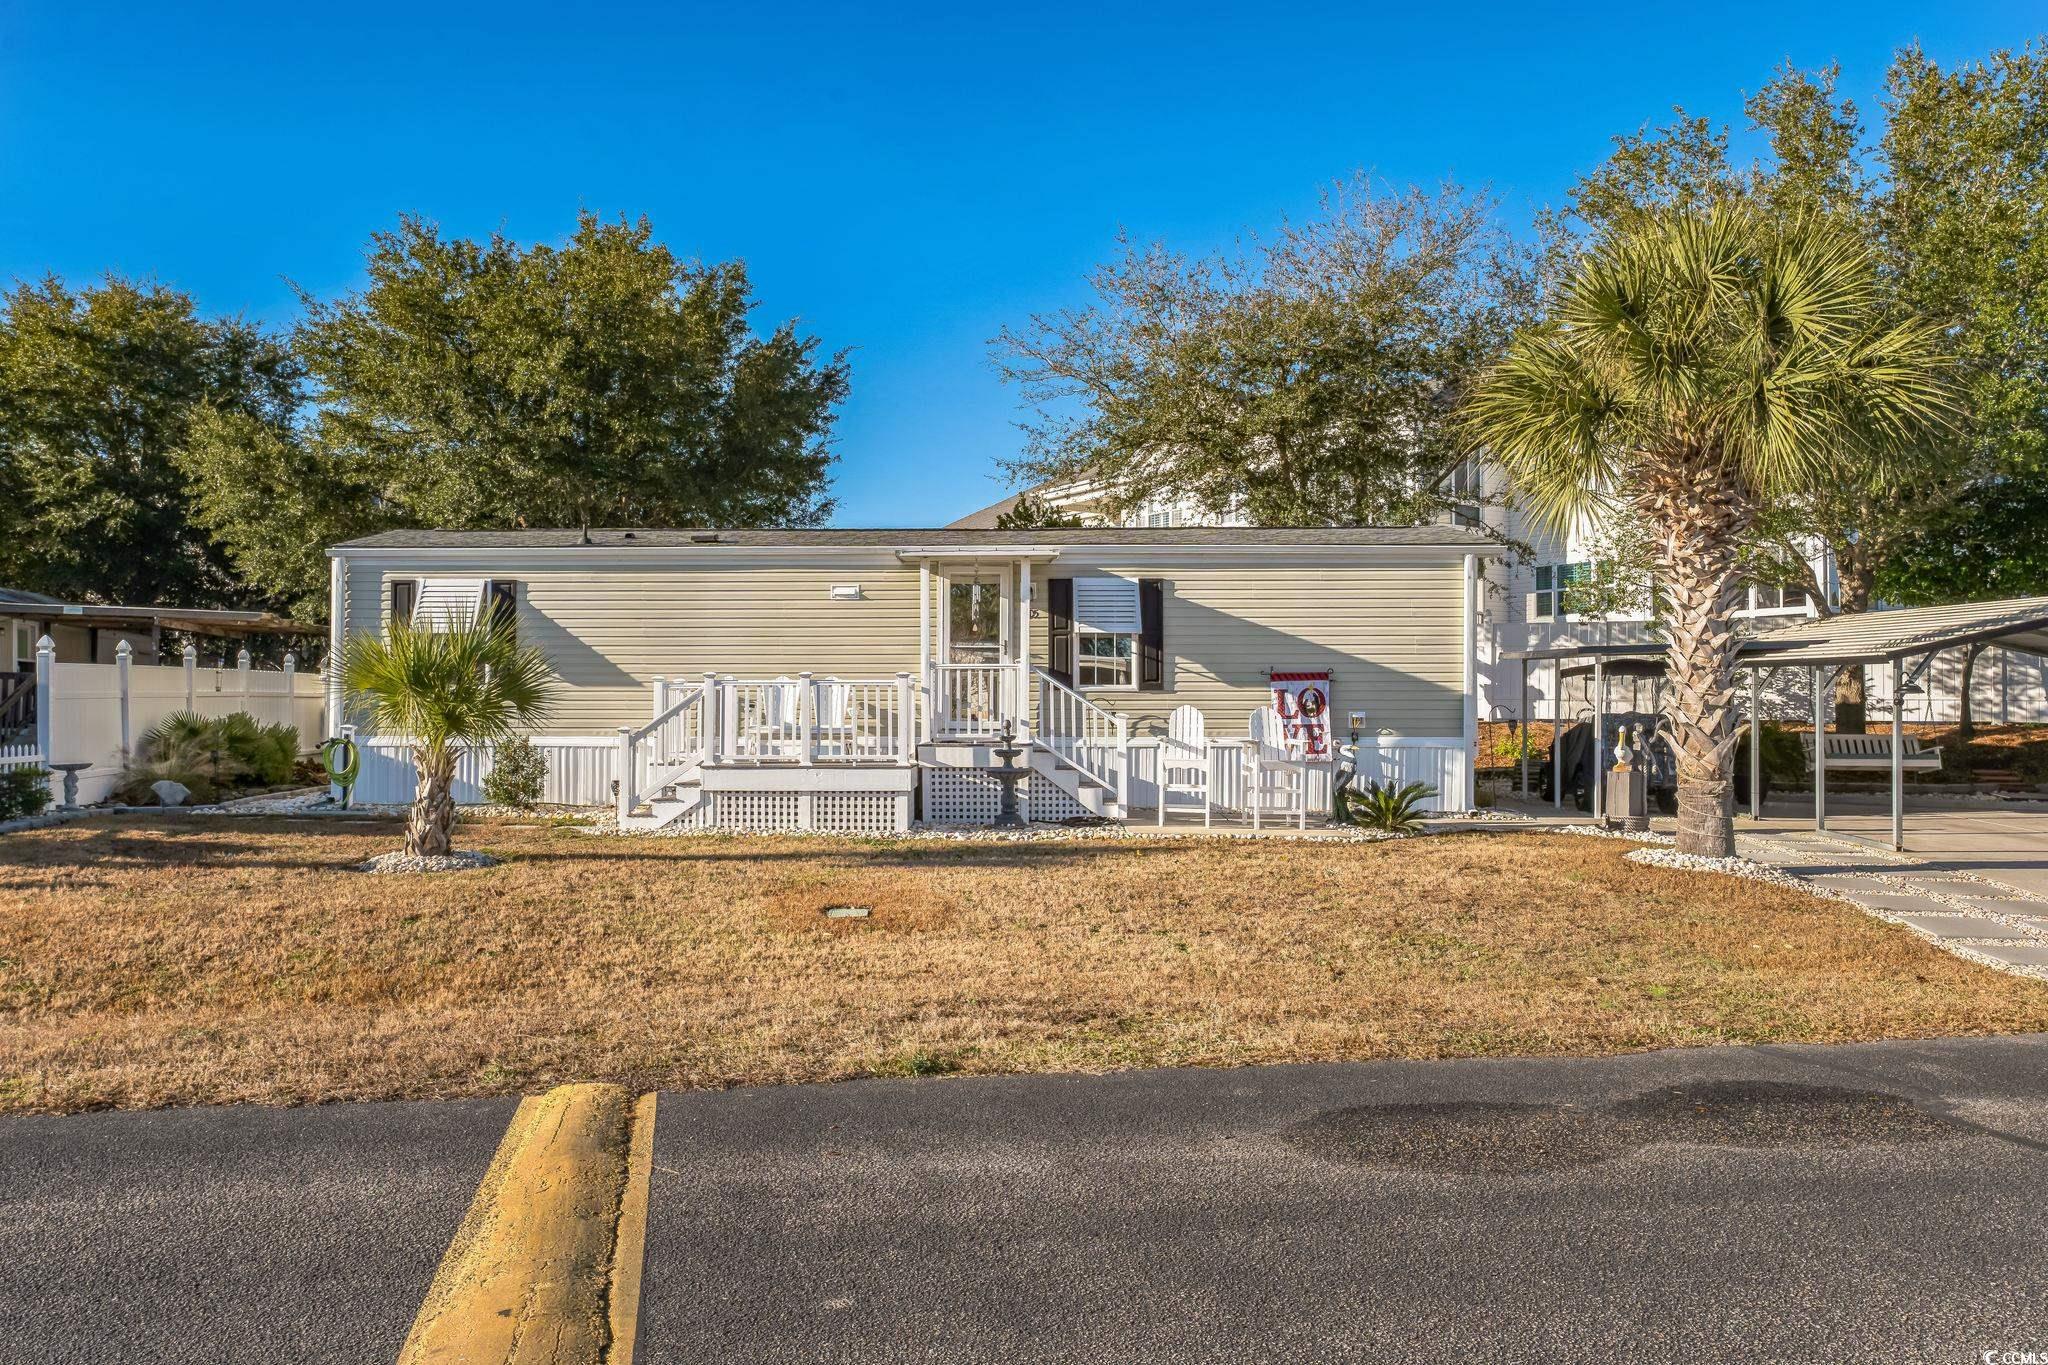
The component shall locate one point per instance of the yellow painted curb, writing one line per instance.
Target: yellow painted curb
(545, 1269)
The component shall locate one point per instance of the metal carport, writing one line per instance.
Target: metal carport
(1823, 646)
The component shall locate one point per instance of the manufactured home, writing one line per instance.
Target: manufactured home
(865, 680)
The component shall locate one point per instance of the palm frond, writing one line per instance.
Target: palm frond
(471, 683)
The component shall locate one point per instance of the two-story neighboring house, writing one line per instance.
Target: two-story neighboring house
(1532, 601)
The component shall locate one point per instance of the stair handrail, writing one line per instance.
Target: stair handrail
(1067, 721)
(630, 739)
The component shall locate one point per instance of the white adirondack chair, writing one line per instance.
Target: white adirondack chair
(1184, 760)
(831, 722)
(1277, 780)
(774, 730)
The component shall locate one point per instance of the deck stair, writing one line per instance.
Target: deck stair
(1081, 748)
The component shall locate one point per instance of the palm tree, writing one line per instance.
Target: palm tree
(1696, 367)
(470, 683)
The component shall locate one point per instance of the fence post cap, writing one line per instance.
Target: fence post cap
(242, 658)
(191, 650)
(123, 650)
(45, 644)
(290, 659)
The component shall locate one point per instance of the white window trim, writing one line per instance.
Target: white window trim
(1082, 632)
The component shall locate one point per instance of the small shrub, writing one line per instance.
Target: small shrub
(1385, 807)
(23, 791)
(210, 758)
(518, 776)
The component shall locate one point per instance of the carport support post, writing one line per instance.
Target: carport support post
(1557, 737)
(1599, 738)
(1898, 758)
(1522, 710)
(1756, 749)
(1820, 754)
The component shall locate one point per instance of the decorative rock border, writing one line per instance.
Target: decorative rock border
(44, 820)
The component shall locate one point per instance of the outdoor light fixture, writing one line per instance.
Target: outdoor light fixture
(846, 592)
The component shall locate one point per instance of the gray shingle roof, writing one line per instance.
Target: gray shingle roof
(1870, 637)
(705, 538)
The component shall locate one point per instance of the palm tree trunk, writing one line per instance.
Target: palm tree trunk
(1700, 515)
(429, 829)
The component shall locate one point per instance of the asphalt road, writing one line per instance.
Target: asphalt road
(231, 1235)
(1776, 1204)
(1883, 1202)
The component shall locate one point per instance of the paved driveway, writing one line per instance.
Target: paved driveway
(1774, 1204)
(1975, 880)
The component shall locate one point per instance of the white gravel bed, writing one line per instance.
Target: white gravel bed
(277, 803)
(1640, 836)
(1731, 867)
(407, 862)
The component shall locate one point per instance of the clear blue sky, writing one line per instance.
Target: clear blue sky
(903, 182)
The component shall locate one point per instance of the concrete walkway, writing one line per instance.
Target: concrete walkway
(1975, 881)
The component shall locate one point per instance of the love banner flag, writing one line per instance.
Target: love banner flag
(1303, 701)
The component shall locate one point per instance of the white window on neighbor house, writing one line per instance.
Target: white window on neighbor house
(1553, 581)
(1763, 598)
(1159, 518)
(1106, 626)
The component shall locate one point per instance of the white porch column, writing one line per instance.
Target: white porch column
(337, 607)
(1471, 720)
(1024, 649)
(924, 645)
(124, 656)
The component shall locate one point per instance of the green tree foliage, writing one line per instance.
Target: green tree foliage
(1306, 379)
(484, 385)
(99, 388)
(1950, 199)
(1037, 514)
(1701, 365)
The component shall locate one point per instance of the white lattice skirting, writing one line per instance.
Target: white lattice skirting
(963, 796)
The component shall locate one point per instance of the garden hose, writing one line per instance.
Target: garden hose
(343, 769)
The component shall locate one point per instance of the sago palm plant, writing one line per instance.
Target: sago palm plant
(442, 689)
(1695, 367)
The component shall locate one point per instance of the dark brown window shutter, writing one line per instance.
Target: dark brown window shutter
(501, 603)
(1151, 635)
(1059, 629)
(404, 593)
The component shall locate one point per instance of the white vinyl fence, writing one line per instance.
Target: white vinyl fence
(96, 713)
(581, 770)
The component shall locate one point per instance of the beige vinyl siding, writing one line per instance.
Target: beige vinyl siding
(1388, 626)
(608, 630)
(1392, 633)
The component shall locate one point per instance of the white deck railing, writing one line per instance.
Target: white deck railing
(805, 720)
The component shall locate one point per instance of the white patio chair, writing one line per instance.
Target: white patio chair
(1184, 760)
(832, 730)
(773, 731)
(1278, 777)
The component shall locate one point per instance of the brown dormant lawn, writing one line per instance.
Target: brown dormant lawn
(184, 962)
